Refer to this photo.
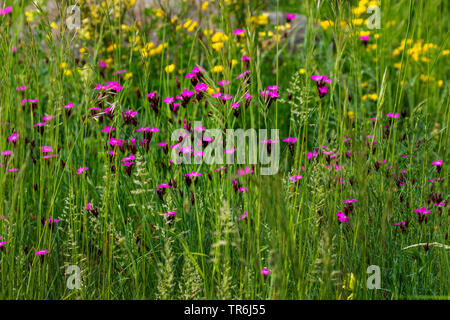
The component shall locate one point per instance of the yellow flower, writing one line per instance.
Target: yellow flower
(234, 62)
(63, 65)
(217, 69)
(170, 68)
(217, 46)
(208, 32)
(67, 72)
(219, 37)
(390, 23)
(30, 16)
(357, 22)
(445, 52)
(54, 26)
(351, 114)
(190, 25)
(127, 75)
(261, 20)
(364, 84)
(111, 47)
(372, 96)
(205, 5)
(302, 71)
(440, 83)
(397, 65)
(326, 24)
(211, 91)
(359, 10)
(159, 13)
(425, 78)
(130, 3)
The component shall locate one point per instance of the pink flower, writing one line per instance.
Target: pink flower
(129, 158)
(349, 200)
(201, 87)
(226, 96)
(108, 129)
(13, 137)
(266, 271)
(116, 142)
(170, 213)
(46, 149)
(81, 170)
(437, 163)
(168, 100)
(5, 11)
(290, 140)
(229, 151)
(296, 177)
(319, 78)
(290, 16)
(342, 217)
(41, 252)
(224, 82)
(102, 64)
(364, 38)
(193, 174)
(238, 32)
(247, 170)
(422, 210)
(68, 106)
(311, 155)
(52, 220)
(235, 105)
(243, 216)
(391, 115)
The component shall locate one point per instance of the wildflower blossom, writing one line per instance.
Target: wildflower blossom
(422, 210)
(170, 213)
(41, 252)
(321, 80)
(243, 216)
(13, 137)
(81, 170)
(342, 218)
(266, 271)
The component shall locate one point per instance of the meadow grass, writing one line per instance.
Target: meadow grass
(374, 135)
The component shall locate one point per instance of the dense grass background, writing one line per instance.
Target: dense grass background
(129, 250)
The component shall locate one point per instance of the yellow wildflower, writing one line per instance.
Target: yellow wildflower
(170, 68)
